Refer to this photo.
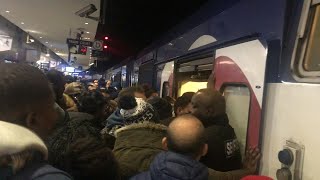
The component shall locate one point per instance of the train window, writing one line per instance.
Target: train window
(312, 56)
(191, 86)
(306, 59)
(237, 107)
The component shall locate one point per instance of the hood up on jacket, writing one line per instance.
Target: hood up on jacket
(15, 139)
(173, 166)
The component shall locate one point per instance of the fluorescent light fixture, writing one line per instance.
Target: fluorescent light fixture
(40, 37)
(86, 23)
(7, 11)
(47, 42)
(88, 32)
(22, 22)
(91, 64)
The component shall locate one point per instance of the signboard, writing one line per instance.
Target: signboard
(97, 45)
(79, 42)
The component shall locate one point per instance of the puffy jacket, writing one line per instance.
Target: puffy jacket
(173, 166)
(40, 171)
(223, 148)
(136, 146)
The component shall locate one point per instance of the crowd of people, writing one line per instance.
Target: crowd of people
(52, 127)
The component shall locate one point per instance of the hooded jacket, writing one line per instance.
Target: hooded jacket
(136, 146)
(16, 139)
(173, 166)
(223, 148)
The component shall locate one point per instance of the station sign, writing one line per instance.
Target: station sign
(78, 42)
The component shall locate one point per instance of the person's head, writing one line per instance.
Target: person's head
(162, 106)
(19, 147)
(91, 87)
(27, 98)
(57, 80)
(108, 83)
(136, 110)
(96, 83)
(94, 103)
(136, 91)
(183, 105)
(69, 79)
(151, 93)
(186, 135)
(208, 104)
(88, 158)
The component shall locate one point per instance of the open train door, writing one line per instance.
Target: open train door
(239, 73)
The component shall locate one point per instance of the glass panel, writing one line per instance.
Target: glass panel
(312, 57)
(191, 86)
(237, 103)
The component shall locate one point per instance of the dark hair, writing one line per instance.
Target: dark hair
(190, 147)
(188, 95)
(150, 92)
(57, 79)
(130, 91)
(69, 79)
(127, 102)
(181, 102)
(162, 106)
(91, 102)
(90, 158)
(22, 86)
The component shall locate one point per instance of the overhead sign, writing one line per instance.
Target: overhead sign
(79, 42)
(97, 45)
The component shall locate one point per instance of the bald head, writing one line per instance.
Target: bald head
(186, 135)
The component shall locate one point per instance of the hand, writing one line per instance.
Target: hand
(251, 159)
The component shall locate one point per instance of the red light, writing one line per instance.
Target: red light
(105, 47)
(106, 38)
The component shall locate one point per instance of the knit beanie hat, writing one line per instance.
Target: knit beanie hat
(15, 139)
(135, 110)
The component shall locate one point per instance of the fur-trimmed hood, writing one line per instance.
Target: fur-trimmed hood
(136, 145)
(15, 139)
(143, 125)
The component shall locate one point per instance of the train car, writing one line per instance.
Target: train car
(263, 56)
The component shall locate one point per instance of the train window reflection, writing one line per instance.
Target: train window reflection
(237, 107)
(312, 56)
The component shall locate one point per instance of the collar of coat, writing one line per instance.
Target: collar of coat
(142, 125)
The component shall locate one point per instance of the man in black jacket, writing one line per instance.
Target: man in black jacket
(209, 106)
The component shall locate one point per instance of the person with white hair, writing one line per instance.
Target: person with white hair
(23, 155)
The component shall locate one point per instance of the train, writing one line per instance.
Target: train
(263, 56)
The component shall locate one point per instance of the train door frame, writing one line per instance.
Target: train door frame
(249, 141)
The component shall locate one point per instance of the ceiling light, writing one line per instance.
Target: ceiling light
(22, 22)
(47, 55)
(51, 45)
(88, 38)
(88, 32)
(47, 42)
(40, 37)
(7, 11)
(86, 23)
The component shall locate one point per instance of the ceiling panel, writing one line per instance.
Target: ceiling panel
(52, 21)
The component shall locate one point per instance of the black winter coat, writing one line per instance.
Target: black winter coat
(223, 148)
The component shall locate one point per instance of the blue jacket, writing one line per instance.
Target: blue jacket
(173, 166)
(39, 171)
